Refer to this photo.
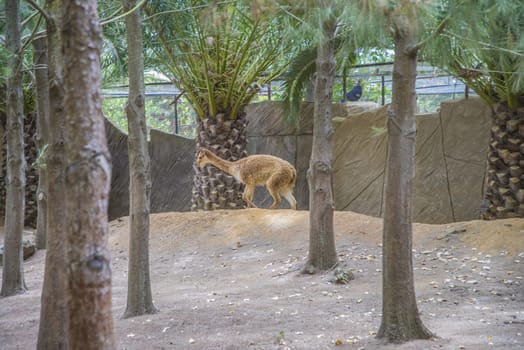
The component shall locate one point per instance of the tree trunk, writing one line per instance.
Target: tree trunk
(54, 314)
(2, 139)
(88, 176)
(505, 175)
(13, 267)
(400, 317)
(42, 136)
(322, 252)
(212, 188)
(139, 298)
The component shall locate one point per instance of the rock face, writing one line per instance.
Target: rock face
(451, 152)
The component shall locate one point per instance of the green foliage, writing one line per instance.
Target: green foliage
(31, 23)
(431, 103)
(482, 44)
(353, 44)
(40, 162)
(160, 114)
(300, 72)
(217, 53)
(373, 92)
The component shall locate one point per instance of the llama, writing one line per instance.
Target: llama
(277, 175)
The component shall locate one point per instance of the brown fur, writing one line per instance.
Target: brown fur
(276, 174)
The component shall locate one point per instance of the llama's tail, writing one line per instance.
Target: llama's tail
(293, 177)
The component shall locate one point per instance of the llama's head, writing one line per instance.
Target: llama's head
(202, 157)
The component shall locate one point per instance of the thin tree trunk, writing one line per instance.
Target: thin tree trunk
(322, 252)
(54, 314)
(2, 134)
(13, 267)
(400, 317)
(139, 297)
(42, 137)
(88, 176)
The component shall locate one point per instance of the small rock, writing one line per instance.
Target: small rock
(455, 230)
(343, 277)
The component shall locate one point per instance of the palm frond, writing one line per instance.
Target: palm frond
(217, 53)
(482, 45)
(300, 72)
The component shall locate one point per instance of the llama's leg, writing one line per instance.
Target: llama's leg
(288, 195)
(272, 187)
(248, 194)
(276, 186)
(276, 198)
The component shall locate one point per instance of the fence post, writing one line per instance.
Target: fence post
(176, 116)
(383, 88)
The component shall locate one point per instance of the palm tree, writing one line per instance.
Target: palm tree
(482, 45)
(220, 56)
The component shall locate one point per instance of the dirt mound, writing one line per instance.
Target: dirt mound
(231, 280)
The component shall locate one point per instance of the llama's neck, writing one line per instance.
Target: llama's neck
(222, 164)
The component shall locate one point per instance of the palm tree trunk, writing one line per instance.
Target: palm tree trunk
(212, 188)
(505, 174)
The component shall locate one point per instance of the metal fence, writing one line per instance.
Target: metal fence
(170, 112)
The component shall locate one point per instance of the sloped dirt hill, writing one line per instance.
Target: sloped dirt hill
(231, 280)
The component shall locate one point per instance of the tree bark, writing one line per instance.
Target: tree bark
(42, 136)
(139, 297)
(322, 252)
(212, 188)
(88, 176)
(504, 181)
(13, 267)
(54, 314)
(400, 317)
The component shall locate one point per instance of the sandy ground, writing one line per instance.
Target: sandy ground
(231, 280)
